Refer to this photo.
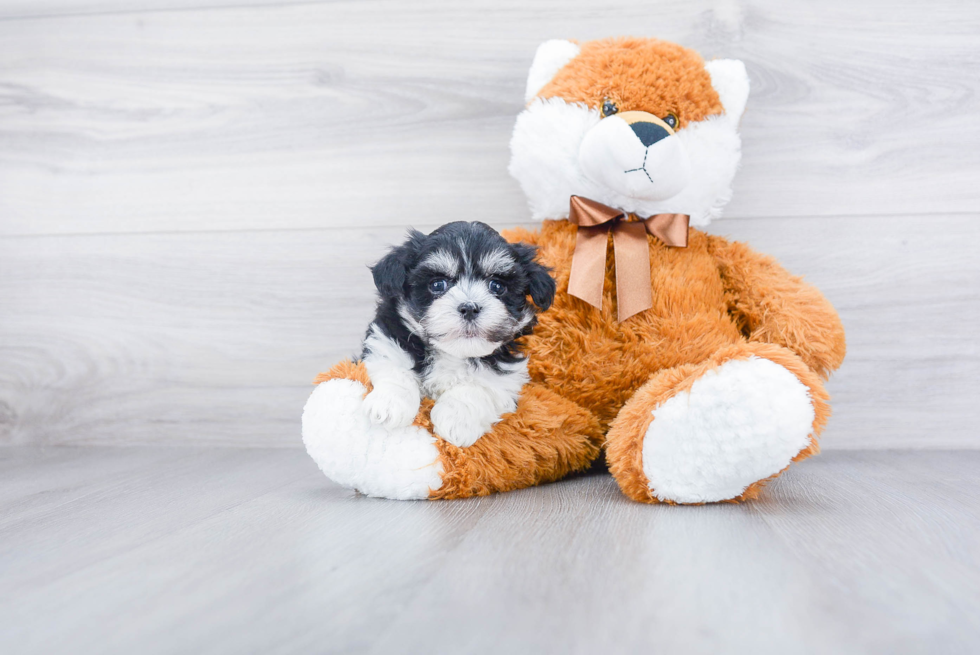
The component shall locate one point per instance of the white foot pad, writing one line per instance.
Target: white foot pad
(739, 423)
(399, 463)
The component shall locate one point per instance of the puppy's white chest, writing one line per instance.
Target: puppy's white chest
(445, 373)
(448, 372)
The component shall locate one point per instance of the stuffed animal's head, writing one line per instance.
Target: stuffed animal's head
(642, 125)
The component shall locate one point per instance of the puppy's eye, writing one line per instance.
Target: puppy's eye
(438, 286)
(671, 119)
(496, 288)
(608, 108)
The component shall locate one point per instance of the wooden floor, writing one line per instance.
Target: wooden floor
(180, 550)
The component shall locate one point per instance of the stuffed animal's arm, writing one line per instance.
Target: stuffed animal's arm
(773, 306)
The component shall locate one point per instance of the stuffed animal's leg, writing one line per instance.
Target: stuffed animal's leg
(717, 430)
(545, 439)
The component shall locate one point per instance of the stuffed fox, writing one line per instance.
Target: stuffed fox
(694, 364)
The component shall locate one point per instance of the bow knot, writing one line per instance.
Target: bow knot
(634, 293)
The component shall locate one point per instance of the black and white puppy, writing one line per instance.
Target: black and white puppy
(452, 304)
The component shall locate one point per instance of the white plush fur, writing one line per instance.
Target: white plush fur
(610, 155)
(400, 463)
(550, 57)
(396, 397)
(739, 423)
(544, 154)
(731, 81)
(471, 397)
(545, 160)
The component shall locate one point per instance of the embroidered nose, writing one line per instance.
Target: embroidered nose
(469, 311)
(648, 133)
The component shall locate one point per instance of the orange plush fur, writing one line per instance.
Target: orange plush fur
(638, 74)
(594, 380)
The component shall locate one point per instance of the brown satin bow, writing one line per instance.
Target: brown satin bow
(633, 285)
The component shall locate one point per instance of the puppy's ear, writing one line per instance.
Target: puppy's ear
(541, 286)
(391, 273)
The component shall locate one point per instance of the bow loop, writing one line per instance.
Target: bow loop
(583, 211)
(634, 292)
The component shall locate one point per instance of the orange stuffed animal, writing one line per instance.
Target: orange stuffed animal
(693, 363)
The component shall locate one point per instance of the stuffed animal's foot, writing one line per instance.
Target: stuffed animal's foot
(354, 451)
(713, 432)
(741, 422)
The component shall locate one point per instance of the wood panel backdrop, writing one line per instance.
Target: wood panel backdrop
(189, 195)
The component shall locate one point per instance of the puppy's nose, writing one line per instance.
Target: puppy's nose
(469, 311)
(648, 133)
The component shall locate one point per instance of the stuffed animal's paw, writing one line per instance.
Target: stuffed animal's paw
(392, 406)
(461, 421)
(739, 423)
(401, 463)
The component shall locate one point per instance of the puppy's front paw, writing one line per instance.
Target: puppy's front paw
(391, 407)
(458, 422)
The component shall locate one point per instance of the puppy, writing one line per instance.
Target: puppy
(452, 304)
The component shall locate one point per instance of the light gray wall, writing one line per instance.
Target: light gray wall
(189, 197)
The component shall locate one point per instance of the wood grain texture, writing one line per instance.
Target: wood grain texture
(215, 337)
(183, 550)
(381, 113)
(189, 195)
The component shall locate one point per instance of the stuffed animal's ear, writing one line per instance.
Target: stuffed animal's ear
(730, 80)
(550, 58)
(391, 273)
(541, 286)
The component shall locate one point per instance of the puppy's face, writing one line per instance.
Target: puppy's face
(463, 289)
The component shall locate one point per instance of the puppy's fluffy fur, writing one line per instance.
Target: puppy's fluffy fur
(452, 304)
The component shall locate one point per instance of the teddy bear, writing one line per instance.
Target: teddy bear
(693, 364)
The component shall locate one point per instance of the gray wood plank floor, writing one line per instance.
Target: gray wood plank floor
(182, 550)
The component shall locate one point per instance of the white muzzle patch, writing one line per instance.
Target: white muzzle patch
(613, 156)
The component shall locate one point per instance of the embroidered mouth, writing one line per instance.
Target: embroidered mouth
(642, 167)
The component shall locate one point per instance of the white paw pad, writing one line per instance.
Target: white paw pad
(400, 463)
(739, 423)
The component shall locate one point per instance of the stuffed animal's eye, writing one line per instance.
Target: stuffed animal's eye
(608, 108)
(496, 288)
(671, 119)
(438, 286)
